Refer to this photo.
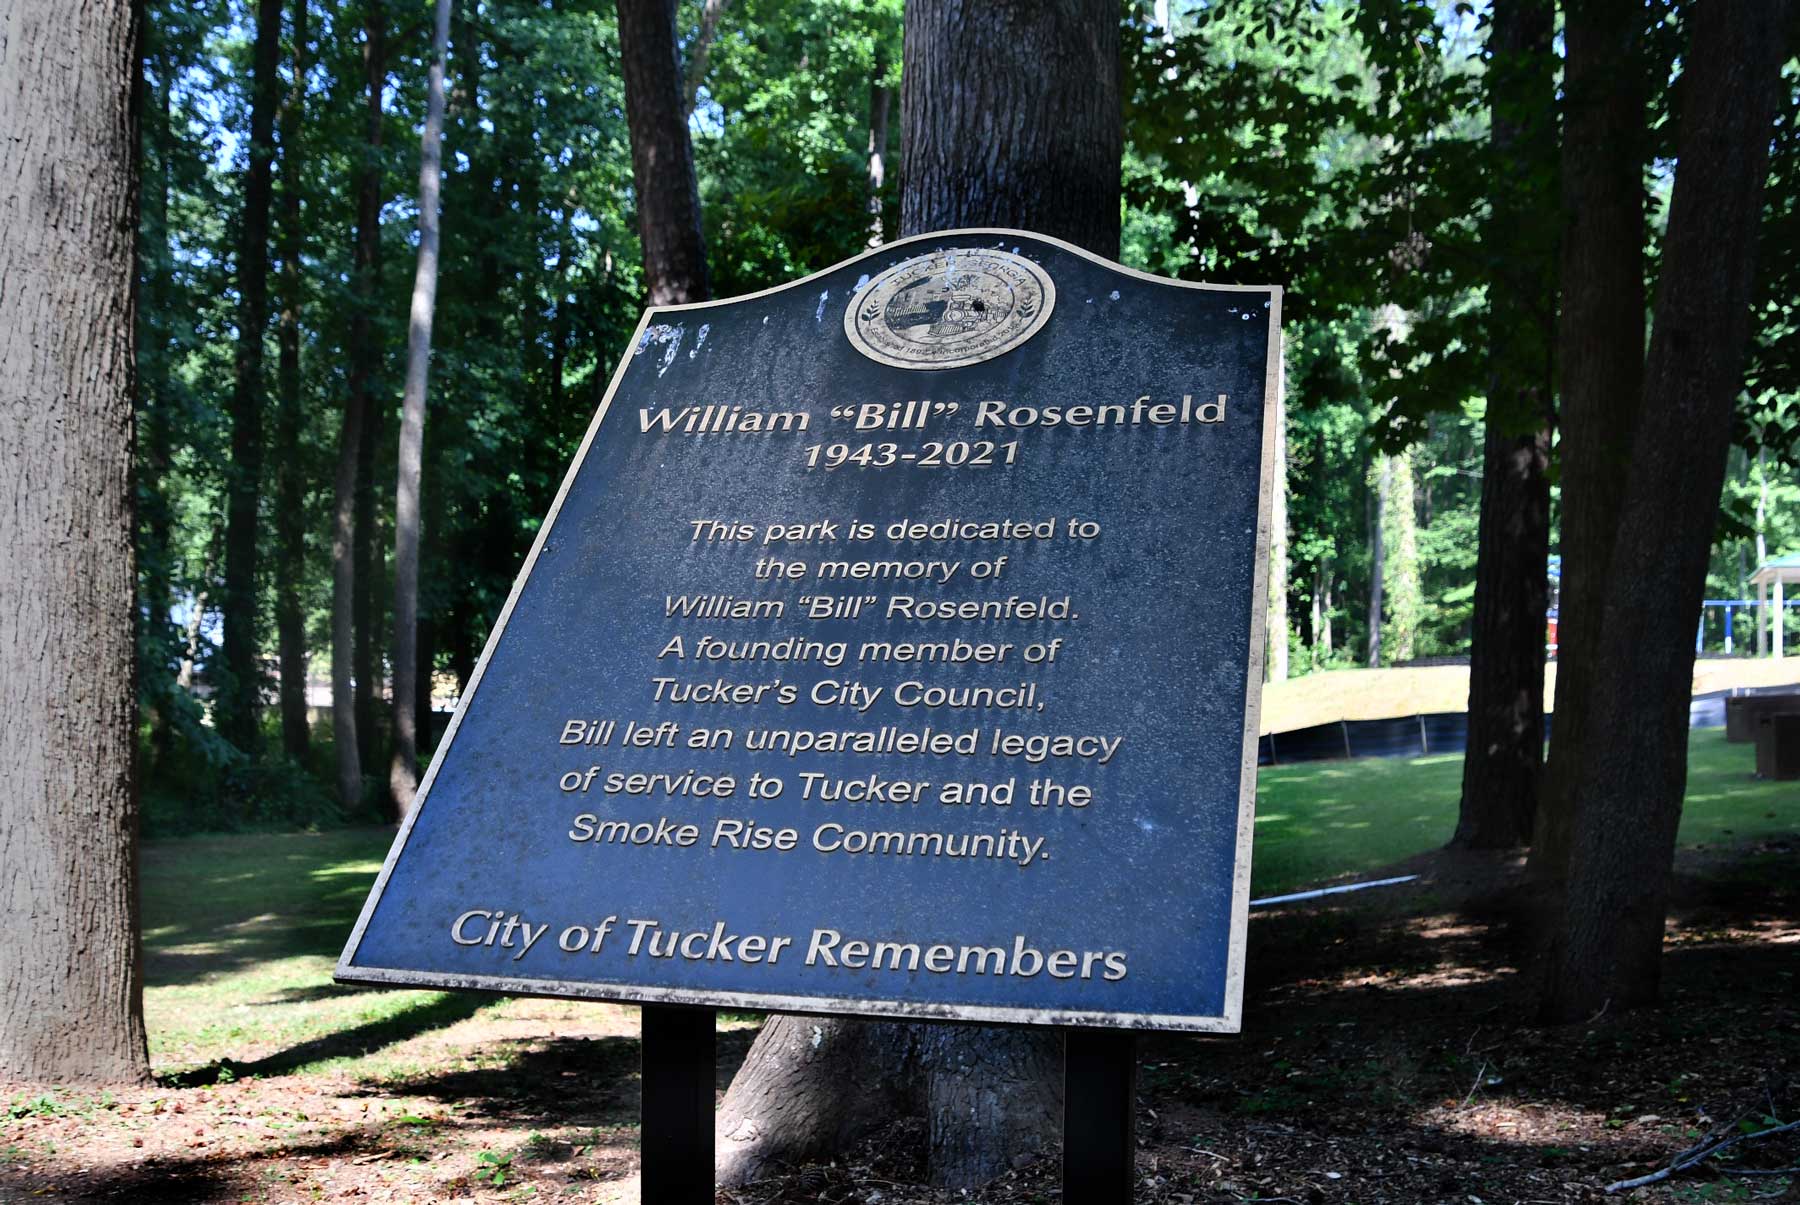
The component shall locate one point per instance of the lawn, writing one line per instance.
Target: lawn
(1318, 820)
(242, 931)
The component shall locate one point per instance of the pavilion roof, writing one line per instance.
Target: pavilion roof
(1780, 568)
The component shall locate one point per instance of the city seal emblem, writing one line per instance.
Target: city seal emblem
(949, 309)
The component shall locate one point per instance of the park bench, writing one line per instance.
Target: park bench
(1743, 712)
(1778, 744)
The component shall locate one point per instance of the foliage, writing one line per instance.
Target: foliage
(1336, 147)
(783, 145)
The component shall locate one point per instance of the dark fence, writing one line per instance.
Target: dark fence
(1435, 732)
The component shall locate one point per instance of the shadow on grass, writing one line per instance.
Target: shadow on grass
(214, 905)
(437, 1012)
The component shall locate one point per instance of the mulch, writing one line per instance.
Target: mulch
(1388, 1056)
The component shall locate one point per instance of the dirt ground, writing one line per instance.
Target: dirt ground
(1386, 1057)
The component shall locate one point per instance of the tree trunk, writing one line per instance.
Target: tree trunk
(240, 693)
(1505, 754)
(881, 104)
(699, 52)
(343, 590)
(1631, 775)
(810, 1087)
(1327, 572)
(364, 358)
(290, 513)
(1278, 552)
(367, 350)
(1012, 116)
(365, 660)
(1383, 473)
(403, 772)
(1047, 74)
(1402, 594)
(71, 969)
(1600, 357)
(662, 157)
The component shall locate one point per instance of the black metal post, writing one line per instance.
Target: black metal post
(676, 1113)
(1099, 1115)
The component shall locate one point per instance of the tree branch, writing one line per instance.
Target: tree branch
(1699, 1152)
(710, 12)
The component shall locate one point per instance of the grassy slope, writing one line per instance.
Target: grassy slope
(242, 932)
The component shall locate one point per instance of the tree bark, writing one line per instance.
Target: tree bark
(365, 660)
(1504, 761)
(1011, 112)
(1402, 594)
(290, 512)
(1600, 350)
(71, 968)
(1043, 78)
(240, 694)
(1505, 754)
(1327, 580)
(1278, 552)
(365, 357)
(810, 1088)
(1631, 775)
(403, 772)
(881, 104)
(1378, 496)
(662, 156)
(364, 605)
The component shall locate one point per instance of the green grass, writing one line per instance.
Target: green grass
(1321, 819)
(241, 934)
(242, 931)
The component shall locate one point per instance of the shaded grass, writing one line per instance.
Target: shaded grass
(242, 931)
(241, 934)
(1323, 819)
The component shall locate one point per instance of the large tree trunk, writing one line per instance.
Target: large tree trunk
(1011, 112)
(662, 156)
(365, 358)
(1043, 79)
(1631, 774)
(1600, 359)
(1504, 761)
(71, 970)
(1505, 755)
(808, 1090)
(290, 511)
(240, 693)
(403, 772)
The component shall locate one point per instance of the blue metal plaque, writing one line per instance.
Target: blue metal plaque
(892, 648)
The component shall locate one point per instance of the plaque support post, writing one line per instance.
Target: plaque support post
(1099, 1091)
(676, 1112)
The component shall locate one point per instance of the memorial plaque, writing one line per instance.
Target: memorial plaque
(893, 647)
